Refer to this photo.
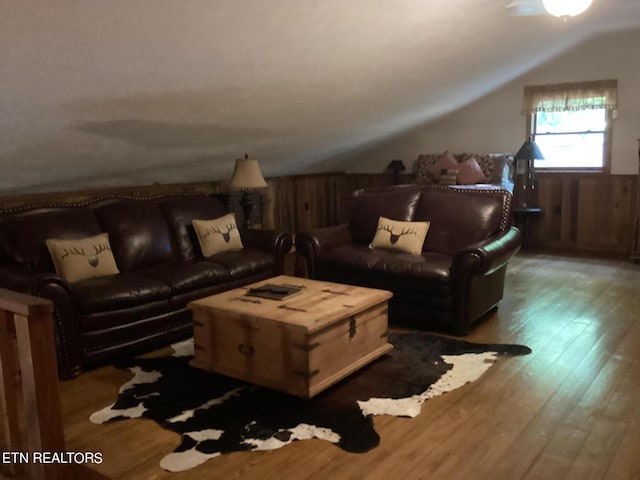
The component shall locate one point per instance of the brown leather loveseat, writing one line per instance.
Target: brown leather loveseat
(160, 263)
(458, 277)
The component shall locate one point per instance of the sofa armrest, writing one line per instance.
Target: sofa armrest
(272, 241)
(24, 279)
(477, 277)
(310, 245)
(66, 313)
(489, 255)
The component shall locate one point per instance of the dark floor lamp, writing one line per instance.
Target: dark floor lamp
(247, 176)
(525, 190)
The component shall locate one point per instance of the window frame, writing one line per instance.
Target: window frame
(531, 119)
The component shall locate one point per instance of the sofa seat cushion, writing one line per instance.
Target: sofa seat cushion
(138, 335)
(245, 263)
(181, 300)
(120, 319)
(185, 276)
(114, 292)
(431, 267)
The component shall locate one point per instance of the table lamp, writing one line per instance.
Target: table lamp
(247, 176)
(396, 166)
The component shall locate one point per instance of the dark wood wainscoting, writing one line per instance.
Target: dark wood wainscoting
(585, 212)
(302, 202)
(580, 211)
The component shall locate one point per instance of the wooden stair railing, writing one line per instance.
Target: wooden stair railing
(28, 356)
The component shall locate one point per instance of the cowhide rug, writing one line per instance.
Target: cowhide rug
(216, 414)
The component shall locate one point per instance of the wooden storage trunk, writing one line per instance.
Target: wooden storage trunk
(300, 345)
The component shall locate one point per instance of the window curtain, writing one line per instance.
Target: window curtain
(570, 96)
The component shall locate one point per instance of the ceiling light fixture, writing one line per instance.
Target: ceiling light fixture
(566, 8)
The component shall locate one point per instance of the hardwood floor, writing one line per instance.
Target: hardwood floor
(570, 410)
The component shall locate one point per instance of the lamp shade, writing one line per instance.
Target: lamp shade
(566, 8)
(247, 175)
(529, 151)
(396, 166)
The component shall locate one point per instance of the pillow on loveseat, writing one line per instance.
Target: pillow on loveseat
(84, 258)
(406, 237)
(218, 235)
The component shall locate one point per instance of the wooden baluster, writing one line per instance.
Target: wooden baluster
(31, 319)
(38, 367)
(9, 392)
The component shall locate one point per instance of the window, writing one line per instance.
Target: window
(572, 124)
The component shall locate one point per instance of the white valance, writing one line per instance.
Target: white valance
(570, 96)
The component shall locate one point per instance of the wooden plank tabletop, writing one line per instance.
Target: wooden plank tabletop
(320, 304)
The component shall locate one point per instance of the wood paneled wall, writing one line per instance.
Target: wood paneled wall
(585, 212)
(303, 202)
(580, 211)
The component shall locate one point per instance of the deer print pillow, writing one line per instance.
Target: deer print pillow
(84, 258)
(219, 235)
(406, 237)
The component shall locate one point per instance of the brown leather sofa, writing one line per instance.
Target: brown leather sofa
(459, 276)
(160, 263)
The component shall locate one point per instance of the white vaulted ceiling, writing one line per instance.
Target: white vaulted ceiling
(130, 92)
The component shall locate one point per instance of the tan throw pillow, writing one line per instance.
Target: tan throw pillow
(84, 258)
(470, 172)
(406, 237)
(218, 235)
(445, 162)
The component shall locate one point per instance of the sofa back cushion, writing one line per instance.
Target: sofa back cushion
(460, 218)
(180, 213)
(367, 208)
(24, 235)
(138, 233)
